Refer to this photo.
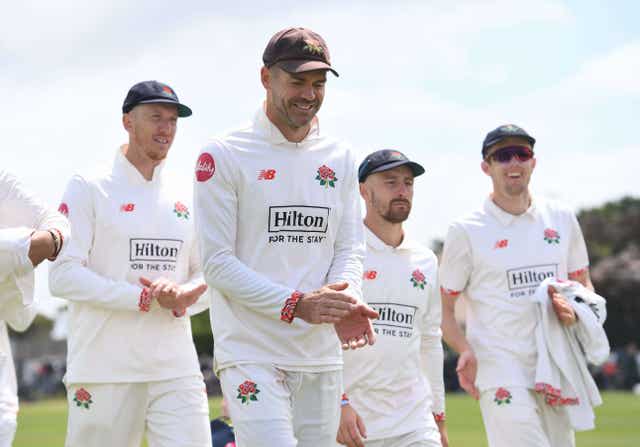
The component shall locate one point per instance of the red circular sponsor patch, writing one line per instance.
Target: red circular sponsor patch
(63, 209)
(205, 167)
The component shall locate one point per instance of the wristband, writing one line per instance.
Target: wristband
(144, 303)
(344, 400)
(287, 312)
(58, 240)
(439, 417)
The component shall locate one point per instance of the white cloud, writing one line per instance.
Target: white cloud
(615, 73)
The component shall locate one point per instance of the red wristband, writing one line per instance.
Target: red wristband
(287, 312)
(439, 417)
(144, 303)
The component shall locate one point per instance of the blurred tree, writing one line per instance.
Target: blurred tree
(612, 232)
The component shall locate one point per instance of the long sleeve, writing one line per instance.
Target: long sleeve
(22, 213)
(216, 211)
(69, 276)
(195, 278)
(349, 245)
(431, 352)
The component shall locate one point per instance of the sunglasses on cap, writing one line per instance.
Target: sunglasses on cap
(505, 154)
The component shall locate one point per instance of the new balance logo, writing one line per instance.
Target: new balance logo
(267, 174)
(127, 207)
(502, 243)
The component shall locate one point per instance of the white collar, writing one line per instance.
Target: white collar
(506, 218)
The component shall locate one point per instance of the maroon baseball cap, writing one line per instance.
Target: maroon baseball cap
(297, 50)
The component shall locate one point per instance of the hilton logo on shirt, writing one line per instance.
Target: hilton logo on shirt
(154, 250)
(394, 315)
(530, 276)
(300, 219)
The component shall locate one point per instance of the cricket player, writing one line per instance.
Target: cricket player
(281, 238)
(394, 391)
(29, 233)
(498, 256)
(129, 274)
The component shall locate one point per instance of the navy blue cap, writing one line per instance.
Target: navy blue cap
(386, 159)
(149, 92)
(505, 131)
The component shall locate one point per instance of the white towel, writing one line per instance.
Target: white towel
(561, 371)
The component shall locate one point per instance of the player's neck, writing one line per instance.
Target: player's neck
(390, 233)
(144, 165)
(515, 205)
(292, 134)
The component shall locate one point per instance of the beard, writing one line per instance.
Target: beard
(395, 215)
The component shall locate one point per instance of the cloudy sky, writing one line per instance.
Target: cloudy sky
(429, 78)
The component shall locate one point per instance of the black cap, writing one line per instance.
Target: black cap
(148, 92)
(297, 50)
(505, 131)
(386, 159)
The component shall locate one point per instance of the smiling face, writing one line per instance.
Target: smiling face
(152, 128)
(388, 194)
(293, 99)
(512, 178)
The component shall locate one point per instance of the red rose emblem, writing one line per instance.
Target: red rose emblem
(82, 398)
(370, 274)
(418, 279)
(205, 167)
(551, 236)
(181, 210)
(63, 209)
(180, 207)
(326, 177)
(502, 393)
(247, 392)
(550, 233)
(326, 172)
(503, 396)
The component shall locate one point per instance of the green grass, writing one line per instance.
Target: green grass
(43, 424)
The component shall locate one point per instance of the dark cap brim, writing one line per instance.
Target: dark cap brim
(183, 111)
(302, 65)
(488, 144)
(416, 168)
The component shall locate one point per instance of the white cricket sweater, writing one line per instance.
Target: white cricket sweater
(273, 217)
(125, 227)
(396, 384)
(499, 260)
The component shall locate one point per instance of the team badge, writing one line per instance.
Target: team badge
(82, 398)
(313, 47)
(551, 236)
(247, 391)
(418, 279)
(181, 210)
(503, 396)
(326, 176)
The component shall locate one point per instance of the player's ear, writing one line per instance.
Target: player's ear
(484, 165)
(265, 77)
(363, 191)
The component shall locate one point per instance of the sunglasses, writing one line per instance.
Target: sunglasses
(505, 154)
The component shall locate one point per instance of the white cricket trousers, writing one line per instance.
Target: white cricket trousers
(272, 407)
(524, 420)
(174, 413)
(427, 437)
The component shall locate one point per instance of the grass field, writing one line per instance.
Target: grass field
(42, 424)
